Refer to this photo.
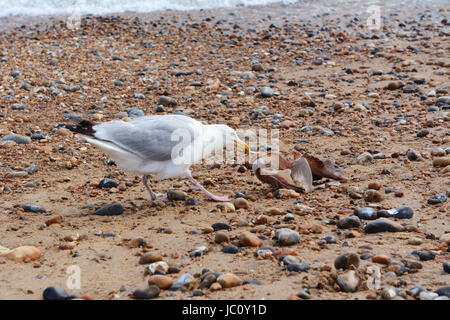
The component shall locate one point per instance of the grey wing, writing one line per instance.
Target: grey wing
(151, 138)
(301, 174)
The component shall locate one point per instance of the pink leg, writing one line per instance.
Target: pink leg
(208, 194)
(154, 196)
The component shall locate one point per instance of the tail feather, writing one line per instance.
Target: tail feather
(82, 126)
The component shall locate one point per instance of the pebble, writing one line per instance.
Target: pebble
(412, 155)
(445, 238)
(438, 152)
(414, 241)
(161, 281)
(446, 267)
(444, 291)
(149, 293)
(437, 198)
(33, 208)
(441, 162)
(113, 209)
(349, 222)
(54, 293)
(266, 92)
(348, 282)
(18, 106)
(229, 280)
(381, 258)
(287, 237)
(249, 239)
(366, 255)
(108, 183)
(423, 133)
(298, 267)
(347, 261)
(135, 112)
(159, 266)
(367, 213)
(240, 203)
(23, 254)
(220, 226)
(383, 225)
(425, 255)
(150, 257)
(230, 248)
(402, 212)
(176, 195)
(221, 237)
(331, 239)
(167, 101)
(17, 138)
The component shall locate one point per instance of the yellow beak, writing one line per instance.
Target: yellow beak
(243, 145)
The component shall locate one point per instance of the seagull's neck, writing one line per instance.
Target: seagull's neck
(213, 139)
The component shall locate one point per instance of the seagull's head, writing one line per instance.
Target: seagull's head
(226, 135)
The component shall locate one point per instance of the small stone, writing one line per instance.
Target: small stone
(249, 239)
(158, 267)
(150, 257)
(287, 237)
(438, 162)
(446, 267)
(32, 208)
(266, 92)
(444, 291)
(167, 101)
(438, 152)
(437, 198)
(108, 183)
(215, 286)
(367, 213)
(347, 261)
(445, 238)
(349, 222)
(383, 225)
(230, 248)
(135, 112)
(229, 280)
(374, 185)
(381, 258)
(373, 196)
(402, 212)
(176, 195)
(298, 267)
(54, 293)
(423, 133)
(221, 237)
(364, 158)
(425, 255)
(110, 210)
(394, 85)
(348, 282)
(412, 155)
(17, 138)
(414, 241)
(149, 293)
(220, 226)
(331, 239)
(240, 203)
(161, 281)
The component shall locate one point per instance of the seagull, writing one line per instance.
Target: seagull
(164, 145)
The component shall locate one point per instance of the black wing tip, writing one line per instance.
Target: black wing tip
(81, 126)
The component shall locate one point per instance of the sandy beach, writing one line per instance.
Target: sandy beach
(374, 101)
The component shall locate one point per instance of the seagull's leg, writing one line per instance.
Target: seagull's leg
(208, 194)
(154, 196)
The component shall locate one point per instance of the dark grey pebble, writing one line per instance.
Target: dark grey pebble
(15, 74)
(160, 108)
(349, 222)
(117, 58)
(437, 198)
(37, 136)
(135, 112)
(298, 267)
(32, 208)
(366, 255)
(138, 96)
(367, 213)
(167, 101)
(423, 133)
(54, 293)
(191, 202)
(17, 138)
(113, 209)
(220, 226)
(255, 282)
(383, 225)
(346, 261)
(149, 293)
(412, 155)
(108, 183)
(230, 248)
